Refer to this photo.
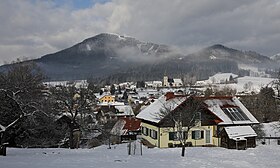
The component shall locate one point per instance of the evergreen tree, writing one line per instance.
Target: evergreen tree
(125, 96)
(112, 89)
(119, 89)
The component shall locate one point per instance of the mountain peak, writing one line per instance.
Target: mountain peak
(110, 35)
(218, 46)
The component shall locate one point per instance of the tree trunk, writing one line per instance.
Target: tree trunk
(183, 150)
(3, 150)
(71, 138)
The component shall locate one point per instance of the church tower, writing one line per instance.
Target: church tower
(165, 81)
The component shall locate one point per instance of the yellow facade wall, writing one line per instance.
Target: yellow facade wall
(148, 138)
(163, 141)
(107, 99)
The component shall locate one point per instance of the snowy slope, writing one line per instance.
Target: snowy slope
(117, 157)
(254, 84)
(271, 129)
(276, 57)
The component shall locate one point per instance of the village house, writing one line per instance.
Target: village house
(107, 99)
(126, 128)
(170, 82)
(219, 117)
(113, 111)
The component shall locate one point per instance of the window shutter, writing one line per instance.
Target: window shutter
(193, 134)
(171, 136)
(202, 134)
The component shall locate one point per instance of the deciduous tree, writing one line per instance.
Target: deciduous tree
(20, 93)
(75, 104)
(184, 117)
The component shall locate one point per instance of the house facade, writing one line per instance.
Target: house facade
(107, 99)
(170, 82)
(217, 113)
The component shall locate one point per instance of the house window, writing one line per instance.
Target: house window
(145, 131)
(153, 134)
(197, 134)
(174, 136)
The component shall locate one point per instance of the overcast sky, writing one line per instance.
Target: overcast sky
(33, 28)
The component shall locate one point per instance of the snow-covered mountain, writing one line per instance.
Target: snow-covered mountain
(123, 58)
(101, 55)
(219, 51)
(276, 57)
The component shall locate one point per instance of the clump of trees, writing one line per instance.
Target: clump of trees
(75, 104)
(34, 115)
(21, 108)
(264, 105)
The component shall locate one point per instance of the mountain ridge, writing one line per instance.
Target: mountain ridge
(107, 54)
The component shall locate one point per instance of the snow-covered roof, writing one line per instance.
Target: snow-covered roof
(222, 77)
(108, 95)
(111, 104)
(124, 125)
(157, 82)
(152, 112)
(240, 132)
(118, 128)
(76, 83)
(177, 80)
(216, 105)
(124, 110)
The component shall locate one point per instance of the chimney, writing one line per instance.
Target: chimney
(169, 95)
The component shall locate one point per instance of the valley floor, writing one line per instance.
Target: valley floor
(117, 157)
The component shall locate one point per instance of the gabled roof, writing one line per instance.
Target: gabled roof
(124, 125)
(177, 80)
(240, 132)
(151, 113)
(217, 104)
(131, 124)
(124, 110)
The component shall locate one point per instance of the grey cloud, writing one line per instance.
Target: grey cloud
(34, 28)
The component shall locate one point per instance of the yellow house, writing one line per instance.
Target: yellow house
(215, 114)
(107, 99)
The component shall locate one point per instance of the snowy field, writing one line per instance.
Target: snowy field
(254, 83)
(263, 156)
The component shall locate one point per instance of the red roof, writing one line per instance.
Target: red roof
(131, 124)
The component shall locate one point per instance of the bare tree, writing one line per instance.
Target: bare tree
(186, 116)
(75, 104)
(225, 91)
(20, 93)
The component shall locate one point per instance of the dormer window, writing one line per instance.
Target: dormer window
(235, 114)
